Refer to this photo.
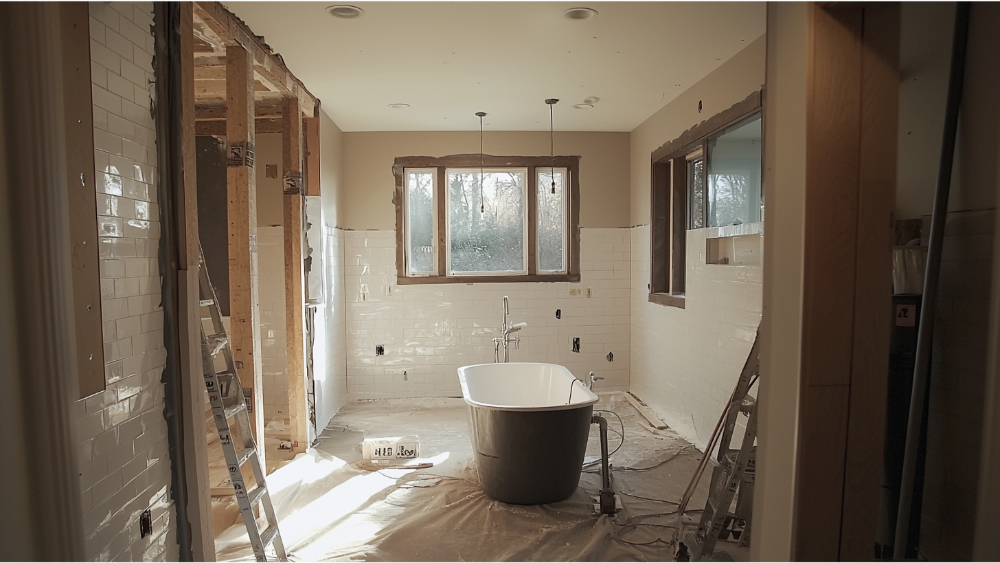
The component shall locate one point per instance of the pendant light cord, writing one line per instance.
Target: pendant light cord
(482, 200)
(552, 144)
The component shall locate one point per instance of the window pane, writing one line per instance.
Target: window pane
(696, 193)
(551, 220)
(734, 175)
(486, 223)
(420, 222)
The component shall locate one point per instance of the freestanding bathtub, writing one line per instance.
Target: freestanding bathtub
(529, 441)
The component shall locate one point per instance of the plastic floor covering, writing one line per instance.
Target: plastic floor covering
(330, 510)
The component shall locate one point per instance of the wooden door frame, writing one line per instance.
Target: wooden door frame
(851, 130)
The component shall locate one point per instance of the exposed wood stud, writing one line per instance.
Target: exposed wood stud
(293, 202)
(199, 505)
(215, 27)
(218, 128)
(244, 298)
(79, 120)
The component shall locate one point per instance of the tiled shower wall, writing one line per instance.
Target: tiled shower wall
(271, 257)
(429, 331)
(121, 433)
(331, 327)
(958, 377)
(685, 362)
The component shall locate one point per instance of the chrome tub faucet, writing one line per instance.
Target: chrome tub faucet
(505, 338)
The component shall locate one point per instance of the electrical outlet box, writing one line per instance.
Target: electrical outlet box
(145, 523)
(589, 294)
(576, 345)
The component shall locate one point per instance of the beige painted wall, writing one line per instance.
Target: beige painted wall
(781, 319)
(331, 173)
(729, 84)
(267, 150)
(368, 180)
(925, 51)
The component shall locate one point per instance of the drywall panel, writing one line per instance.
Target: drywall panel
(604, 168)
(329, 348)
(213, 209)
(270, 171)
(331, 171)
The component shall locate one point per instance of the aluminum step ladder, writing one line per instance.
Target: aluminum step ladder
(225, 394)
(734, 472)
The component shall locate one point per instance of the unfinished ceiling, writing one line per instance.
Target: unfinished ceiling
(449, 60)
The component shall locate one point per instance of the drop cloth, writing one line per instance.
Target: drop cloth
(329, 509)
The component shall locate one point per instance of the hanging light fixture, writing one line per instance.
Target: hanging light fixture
(482, 201)
(552, 143)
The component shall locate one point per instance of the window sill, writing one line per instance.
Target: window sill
(667, 300)
(734, 230)
(401, 280)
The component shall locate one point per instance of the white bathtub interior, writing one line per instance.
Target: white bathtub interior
(523, 386)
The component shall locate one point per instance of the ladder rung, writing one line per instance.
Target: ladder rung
(268, 535)
(255, 495)
(244, 455)
(206, 302)
(235, 409)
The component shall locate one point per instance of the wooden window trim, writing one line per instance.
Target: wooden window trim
(668, 201)
(532, 163)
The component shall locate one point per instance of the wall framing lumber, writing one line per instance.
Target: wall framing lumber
(80, 186)
(241, 187)
(199, 502)
(221, 28)
(292, 208)
(217, 128)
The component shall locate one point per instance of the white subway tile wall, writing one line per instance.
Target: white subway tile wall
(331, 347)
(271, 256)
(429, 331)
(121, 433)
(958, 377)
(685, 362)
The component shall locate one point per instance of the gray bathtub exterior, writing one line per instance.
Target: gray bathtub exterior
(529, 457)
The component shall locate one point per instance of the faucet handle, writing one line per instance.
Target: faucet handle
(594, 379)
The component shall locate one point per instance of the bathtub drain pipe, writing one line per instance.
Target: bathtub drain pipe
(607, 499)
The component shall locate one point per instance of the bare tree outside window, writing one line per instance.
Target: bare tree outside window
(486, 227)
(420, 221)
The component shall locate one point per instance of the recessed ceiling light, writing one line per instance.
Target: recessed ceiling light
(400, 106)
(584, 106)
(345, 11)
(579, 13)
